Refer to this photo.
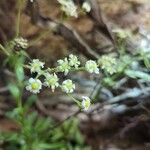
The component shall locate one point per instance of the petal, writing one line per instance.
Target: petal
(31, 80)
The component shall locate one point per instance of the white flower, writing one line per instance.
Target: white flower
(68, 86)
(34, 85)
(86, 6)
(86, 102)
(63, 66)
(92, 67)
(36, 65)
(69, 7)
(51, 81)
(73, 61)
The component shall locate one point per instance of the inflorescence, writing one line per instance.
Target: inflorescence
(71, 9)
(66, 65)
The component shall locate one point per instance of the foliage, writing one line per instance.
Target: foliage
(38, 133)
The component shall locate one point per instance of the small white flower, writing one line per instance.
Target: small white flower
(68, 86)
(69, 7)
(73, 61)
(86, 6)
(34, 85)
(92, 67)
(36, 65)
(86, 102)
(63, 66)
(51, 81)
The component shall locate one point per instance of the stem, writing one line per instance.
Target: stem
(18, 17)
(4, 50)
(20, 106)
(75, 100)
(53, 70)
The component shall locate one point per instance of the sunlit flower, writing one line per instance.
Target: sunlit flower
(51, 81)
(108, 63)
(36, 65)
(68, 86)
(69, 7)
(86, 102)
(92, 67)
(34, 85)
(86, 6)
(21, 43)
(73, 61)
(63, 66)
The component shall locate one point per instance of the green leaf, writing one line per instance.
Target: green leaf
(138, 74)
(14, 114)
(147, 62)
(25, 54)
(50, 146)
(19, 72)
(14, 90)
(29, 102)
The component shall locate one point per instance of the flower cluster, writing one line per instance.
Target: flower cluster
(63, 66)
(86, 6)
(108, 63)
(66, 64)
(68, 86)
(34, 85)
(21, 43)
(122, 34)
(50, 79)
(68, 7)
(86, 102)
(36, 66)
(73, 61)
(92, 67)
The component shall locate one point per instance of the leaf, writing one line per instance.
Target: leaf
(147, 62)
(29, 102)
(14, 114)
(51, 146)
(19, 72)
(24, 53)
(42, 124)
(14, 90)
(138, 74)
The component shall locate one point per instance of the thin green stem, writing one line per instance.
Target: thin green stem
(75, 100)
(4, 50)
(18, 17)
(20, 106)
(53, 70)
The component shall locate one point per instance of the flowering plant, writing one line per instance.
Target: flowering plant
(28, 78)
(51, 78)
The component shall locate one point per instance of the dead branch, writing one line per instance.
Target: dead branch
(96, 15)
(61, 29)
